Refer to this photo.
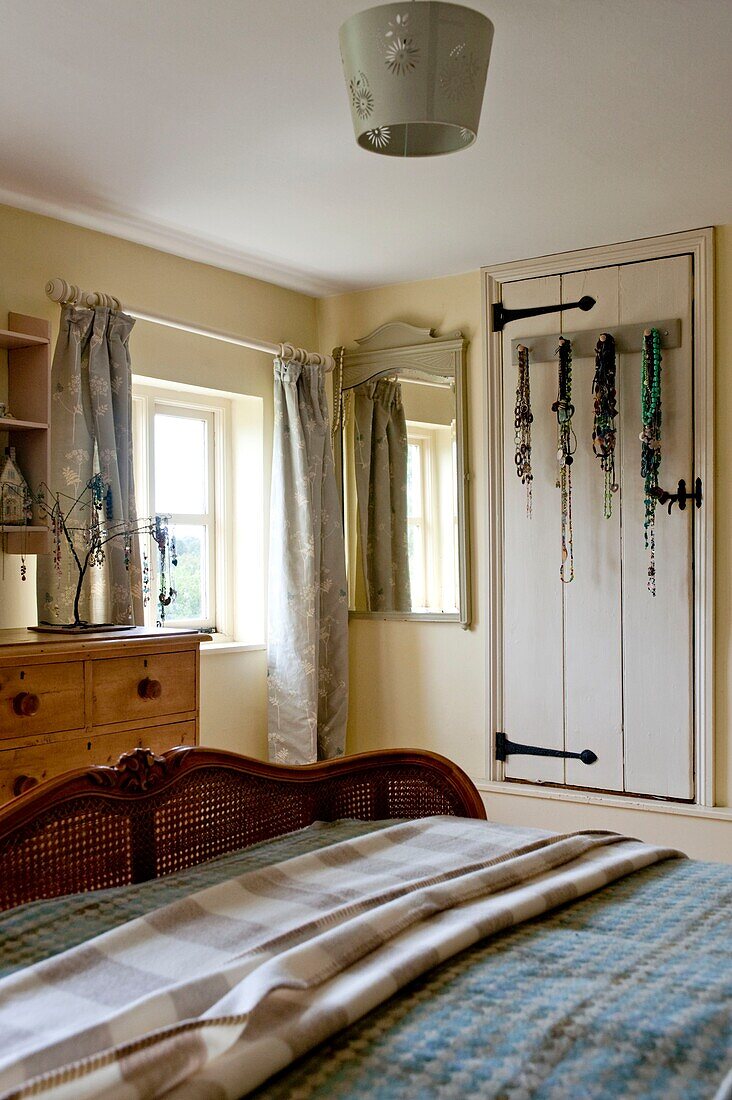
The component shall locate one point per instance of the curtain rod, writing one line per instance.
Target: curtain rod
(58, 290)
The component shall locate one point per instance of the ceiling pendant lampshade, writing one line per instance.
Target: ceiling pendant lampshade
(415, 74)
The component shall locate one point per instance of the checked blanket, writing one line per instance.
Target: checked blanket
(210, 995)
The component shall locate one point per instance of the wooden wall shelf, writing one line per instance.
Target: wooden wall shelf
(13, 424)
(22, 529)
(27, 341)
(11, 340)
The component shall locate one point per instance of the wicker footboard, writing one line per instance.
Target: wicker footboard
(150, 815)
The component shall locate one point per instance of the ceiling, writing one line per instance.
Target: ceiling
(220, 130)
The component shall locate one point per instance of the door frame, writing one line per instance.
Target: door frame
(699, 244)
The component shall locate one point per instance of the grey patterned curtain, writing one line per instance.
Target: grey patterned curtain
(91, 432)
(381, 489)
(308, 607)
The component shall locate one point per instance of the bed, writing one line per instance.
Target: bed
(578, 966)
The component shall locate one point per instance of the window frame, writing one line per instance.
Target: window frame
(418, 437)
(147, 400)
(430, 438)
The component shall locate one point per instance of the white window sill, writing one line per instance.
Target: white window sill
(231, 647)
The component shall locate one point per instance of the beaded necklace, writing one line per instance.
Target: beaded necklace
(522, 420)
(650, 439)
(566, 446)
(168, 560)
(606, 409)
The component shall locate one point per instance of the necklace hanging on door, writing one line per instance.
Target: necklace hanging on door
(522, 419)
(566, 446)
(650, 439)
(606, 409)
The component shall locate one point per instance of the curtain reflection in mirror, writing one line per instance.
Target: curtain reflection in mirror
(401, 495)
(380, 467)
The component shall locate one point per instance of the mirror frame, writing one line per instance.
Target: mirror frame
(393, 348)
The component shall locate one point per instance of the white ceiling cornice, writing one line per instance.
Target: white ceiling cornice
(165, 239)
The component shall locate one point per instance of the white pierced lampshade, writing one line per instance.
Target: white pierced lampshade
(415, 74)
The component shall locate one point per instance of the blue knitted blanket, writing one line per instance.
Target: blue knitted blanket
(626, 993)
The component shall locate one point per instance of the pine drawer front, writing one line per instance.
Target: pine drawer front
(130, 689)
(41, 698)
(23, 768)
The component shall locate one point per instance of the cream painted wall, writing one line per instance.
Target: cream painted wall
(34, 248)
(424, 684)
(234, 701)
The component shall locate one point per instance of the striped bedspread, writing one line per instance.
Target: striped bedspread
(214, 992)
(625, 994)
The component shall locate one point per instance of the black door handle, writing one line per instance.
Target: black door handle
(680, 497)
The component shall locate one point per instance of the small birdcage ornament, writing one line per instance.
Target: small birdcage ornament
(16, 504)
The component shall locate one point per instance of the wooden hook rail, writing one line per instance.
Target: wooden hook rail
(628, 341)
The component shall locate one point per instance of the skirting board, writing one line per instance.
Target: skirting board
(701, 832)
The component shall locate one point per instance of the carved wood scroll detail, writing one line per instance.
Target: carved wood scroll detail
(137, 770)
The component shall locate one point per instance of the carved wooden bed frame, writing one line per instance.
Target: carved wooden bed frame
(150, 815)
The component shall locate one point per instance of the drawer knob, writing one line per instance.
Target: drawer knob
(149, 689)
(26, 704)
(23, 783)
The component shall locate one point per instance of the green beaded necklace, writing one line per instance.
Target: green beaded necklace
(650, 439)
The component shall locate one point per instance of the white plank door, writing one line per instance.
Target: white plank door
(600, 663)
(533, 658)
(593, 672)
(658, 633)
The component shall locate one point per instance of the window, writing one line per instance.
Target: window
(176, 444)
(183, 489)
(199, 461)
(417, 518)
(432, 516)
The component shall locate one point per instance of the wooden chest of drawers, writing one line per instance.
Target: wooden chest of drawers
(68, 702)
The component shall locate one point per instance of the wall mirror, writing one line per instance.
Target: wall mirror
(401, 459)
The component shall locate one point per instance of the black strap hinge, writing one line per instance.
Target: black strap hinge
(505, 747)
(502, 316)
